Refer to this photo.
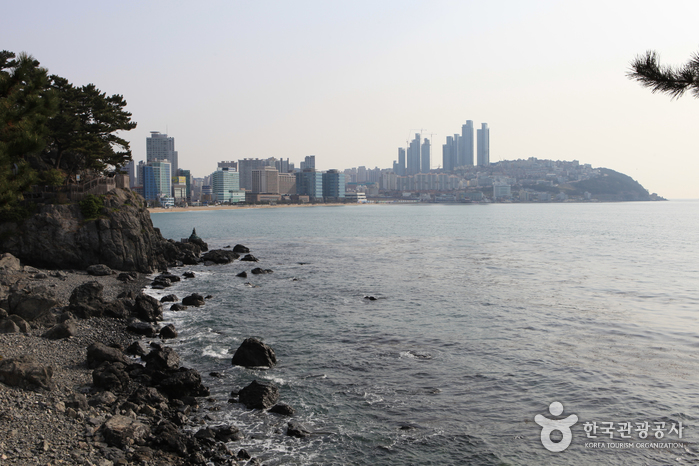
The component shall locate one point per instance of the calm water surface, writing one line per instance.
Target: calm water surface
(485, 315)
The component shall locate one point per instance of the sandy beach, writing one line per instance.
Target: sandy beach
(155, 210)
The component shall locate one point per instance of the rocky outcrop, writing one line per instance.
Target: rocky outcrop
(253, 353)
(220, 256)
(259, 395)
(60, 237)
(26, 373)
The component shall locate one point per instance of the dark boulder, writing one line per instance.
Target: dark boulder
(171, 298)
(99, 270)
(87, 300)
(142, 328)
(97, 353)
(177, 307)
(253, 353)
(122, 431)
(227, 433)
(181, 383)
(242, 274)
(194, 299)
(167, 437)
(25, 372)
(63, 330)
(188, 275)
(160, 283)
(137, 349)
(259, 271)
(31, 304)
(127, 276)
(259, 395)
(111, 376)
(148, 309)
(23, 325)
(195, 239)
(8, 326)
(249, 258)
(168, 332)
(220, 256)
(283, 409)
(162, 358)
(240, 249)
(298, 430)
(147, 396)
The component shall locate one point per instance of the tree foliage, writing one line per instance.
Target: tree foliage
(51, 129)
(647, 70)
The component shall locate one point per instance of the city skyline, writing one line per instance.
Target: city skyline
(328, 79)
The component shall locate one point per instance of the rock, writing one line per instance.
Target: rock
(142, 328)
(97, 353)
(253, 353)
(169, 438)
(147, 396)
(127, 276)
(65, 316)
(137, 349)
(259, 395)
(148, 308)
(370, 298)
(298, 430)
(40, 276)
(63, 330)
(3, 314)
(249, 258)
(24, 327)
(220, 256)
(59, 274)
(183, 382)
(32, 303)
(168, 332)
(194, 299)
(24, 372)
(227, 433)
(162, 358)
(193, 238)
(111, 376)
(77, 401)
(188, 275)
(242, 274)
(8, 326)
(121, 431)
(104, 398)
(177, 307)
(258, 271)
(170, 298)
(240, 249)
(160, 283)
(59, 237)
(243, 455)
(87, 300)
(99, 270)
(9, 264)
(283, 409)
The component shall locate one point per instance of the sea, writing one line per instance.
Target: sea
(487, 318)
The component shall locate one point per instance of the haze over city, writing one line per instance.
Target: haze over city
(352, 82)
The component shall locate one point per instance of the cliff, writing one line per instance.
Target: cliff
(121, 236)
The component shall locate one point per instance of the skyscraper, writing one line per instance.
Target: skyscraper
(466, 142)
(309, 162)
(414, 156)
(483, 136)
(156, 180)
(425, 164)
(400, 169)
(449, 155)
(334, 184)
(309, 183)
(161, 147)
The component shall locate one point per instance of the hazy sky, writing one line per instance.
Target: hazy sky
(350, 82)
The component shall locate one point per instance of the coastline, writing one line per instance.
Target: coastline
(158, 210)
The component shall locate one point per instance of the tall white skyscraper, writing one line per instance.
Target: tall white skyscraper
(466, 144)
(414, 156)
(483, 136)
(425, 164)
(161, 147)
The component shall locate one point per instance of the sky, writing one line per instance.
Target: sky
(351, 81)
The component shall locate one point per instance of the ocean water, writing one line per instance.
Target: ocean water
(486, 314)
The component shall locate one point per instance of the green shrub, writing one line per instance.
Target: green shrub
(91, 206)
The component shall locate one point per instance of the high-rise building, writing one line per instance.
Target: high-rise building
(309, 162)
(400, 169)
(161, 147)
(483, 136)
(225, 186)
(156, 180)
(245, 168)
(449, 154)
(309, 183)
(188, 177)
(465, 156)
(334, 184)
(228, 164)
(287, 183)
(265, 180)
(413, 161)
(425, 164)
(130, 169)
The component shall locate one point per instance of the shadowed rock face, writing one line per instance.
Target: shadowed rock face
(58, 236)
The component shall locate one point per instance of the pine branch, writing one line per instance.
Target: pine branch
(664, 79)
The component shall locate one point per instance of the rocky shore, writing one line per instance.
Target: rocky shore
(103, 395)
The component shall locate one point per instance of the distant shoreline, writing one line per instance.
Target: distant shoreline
(158, 210)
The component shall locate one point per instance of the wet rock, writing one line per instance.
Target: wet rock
(137, 349)
(254, 353)
(121, 431)
(99, 270)
(258, 271)
(178, 307)
(242, 274)
(25, 372)
(227, 433)
(194, 299)
(188, 275)
(220, 256)
(142, 328)
(298, 430)
(169, 438)
(240, 249)
(162, 358)
(370, 298)
(127, 276)
(259, 395)
(195, 239)
(171, 298)
(183, 382)
(249, 258)
(283, 409)
(243, 455)
(63, 330)
(148, 309)
(168, 332)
